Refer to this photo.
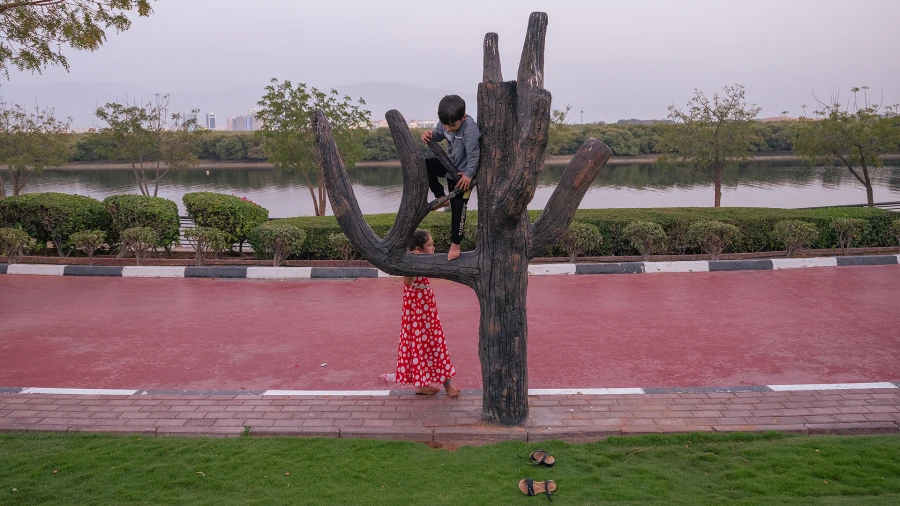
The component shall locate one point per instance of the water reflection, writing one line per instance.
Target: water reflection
(378, 188)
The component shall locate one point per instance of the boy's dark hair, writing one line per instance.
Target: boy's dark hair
(418, 239)
(451, 109)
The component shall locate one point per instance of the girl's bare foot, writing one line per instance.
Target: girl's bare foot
(454, 252)
(427, 390)
(451, 390)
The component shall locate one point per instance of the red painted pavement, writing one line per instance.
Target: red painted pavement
(821, 325)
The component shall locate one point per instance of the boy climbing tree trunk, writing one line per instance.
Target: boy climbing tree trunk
(513, 117)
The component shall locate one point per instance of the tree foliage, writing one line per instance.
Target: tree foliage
(32, 32)
(853, 135)
(139, 240)
(646, 237)
(285, 112)
(710, 134)
(278, 239)
(29, 141)
(580, 239)
(151, 139)
(712, 236)
(88, 241)
(206, 241)
(848, 230)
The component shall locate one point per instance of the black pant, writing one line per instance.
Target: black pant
(457, 204)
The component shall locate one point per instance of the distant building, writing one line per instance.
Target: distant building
(244, 123)
(427, 123)
(382, 123)
(192, 116)
(211, 120)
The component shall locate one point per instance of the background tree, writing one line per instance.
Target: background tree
(152, 140)
(854, 135)
(560, 134)
(30, 141)
(710, 134)
(285, 113)
(33, 31)
(514, 118)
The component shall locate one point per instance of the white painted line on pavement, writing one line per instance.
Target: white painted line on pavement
(382, 274)
(327, 392)
(550, 269)
(687, 266)
(152, 271)
(279, 272)
(831, 386)
(799, 263)
(36, 269)
(78, 391)
(584, 391)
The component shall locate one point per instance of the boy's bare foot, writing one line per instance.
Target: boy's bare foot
(441, 206)
(451, 390)
(427, 390)
(454, 252)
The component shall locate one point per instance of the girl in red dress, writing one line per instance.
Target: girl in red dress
(422, 357)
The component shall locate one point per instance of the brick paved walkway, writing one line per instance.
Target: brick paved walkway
(454, 422)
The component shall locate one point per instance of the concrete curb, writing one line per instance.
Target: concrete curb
(239, 272)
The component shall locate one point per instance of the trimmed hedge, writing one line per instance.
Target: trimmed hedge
(158, 214)
(755, 223)
(54, 217)
(235, 216)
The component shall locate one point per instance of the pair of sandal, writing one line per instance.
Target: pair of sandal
(531, 487)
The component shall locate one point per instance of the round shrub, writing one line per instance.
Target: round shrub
(581, 238)
(895, 229)
(206, 241)
(712, 236)
(12, 243)
(646, 237)
(138, 240)
(341, 243)
(54, 217)
(235, 216)
(848, 230)
(158, 214)
(88, 241)
(795, 235)
(278, 240)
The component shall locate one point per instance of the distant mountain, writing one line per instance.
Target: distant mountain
(80, 100)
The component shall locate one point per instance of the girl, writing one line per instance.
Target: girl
(422, 357)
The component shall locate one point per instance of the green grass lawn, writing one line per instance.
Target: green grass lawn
(770, 469)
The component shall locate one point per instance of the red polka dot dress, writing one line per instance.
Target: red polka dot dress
(422, 357)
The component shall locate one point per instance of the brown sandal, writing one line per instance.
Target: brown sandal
(531, 487)
(540, 457)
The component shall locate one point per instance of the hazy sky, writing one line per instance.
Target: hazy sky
(611, 59)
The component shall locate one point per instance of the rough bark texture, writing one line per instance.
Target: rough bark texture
(514, 118)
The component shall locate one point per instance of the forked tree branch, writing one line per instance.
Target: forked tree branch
(388, 254)
(554, 221)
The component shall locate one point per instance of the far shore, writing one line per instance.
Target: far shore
(778, 156)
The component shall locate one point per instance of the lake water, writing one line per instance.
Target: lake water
(378, 188)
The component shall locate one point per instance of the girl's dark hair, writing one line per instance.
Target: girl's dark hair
(418, 240)
(451, 109)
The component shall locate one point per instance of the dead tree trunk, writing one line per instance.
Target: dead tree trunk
(514, 117)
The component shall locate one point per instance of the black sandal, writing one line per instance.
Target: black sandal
(528, 488)
(540, 457)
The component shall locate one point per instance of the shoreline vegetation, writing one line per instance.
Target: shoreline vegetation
(775, 156)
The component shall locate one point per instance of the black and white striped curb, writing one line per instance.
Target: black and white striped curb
(531, 391)
(369, 272)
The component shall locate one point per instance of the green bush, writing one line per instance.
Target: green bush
(158, 214)
(895, 230)
(235, 216)
(206, 241)
(646, 237)
(54, 217)
(341, 243)
(88, 241)
(138, 240)
(755, 223)
(12, 243)
(580, 239)
(848, 230)
(712, 236)
(278, 240)
(795, 235)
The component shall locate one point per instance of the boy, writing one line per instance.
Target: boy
(462, 134)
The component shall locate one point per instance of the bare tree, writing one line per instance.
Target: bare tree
(514, 117)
